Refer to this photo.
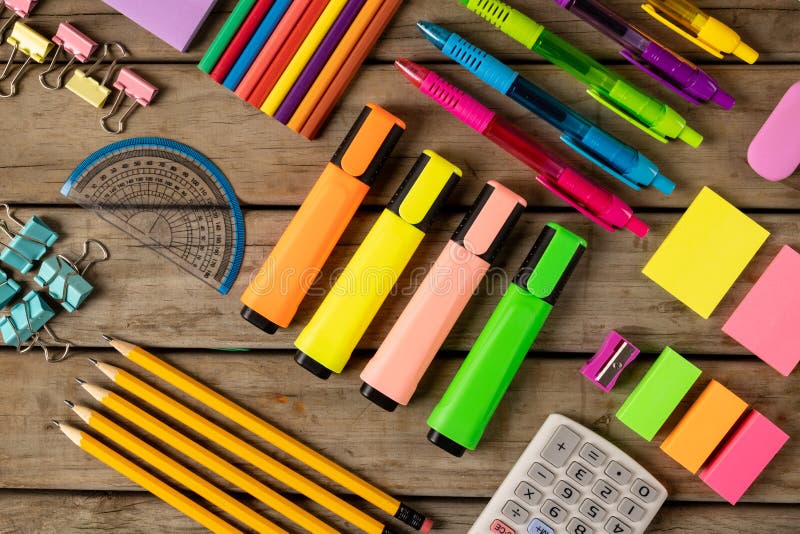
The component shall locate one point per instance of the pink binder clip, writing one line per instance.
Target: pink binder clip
(20, 9)
(73, 42)
(129, 84)
(614, 355)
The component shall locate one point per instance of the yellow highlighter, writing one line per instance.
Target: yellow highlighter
(326, 343)
(710, 34)
(302, 56)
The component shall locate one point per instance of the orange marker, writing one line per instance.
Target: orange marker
(275, 292)
(349, 68)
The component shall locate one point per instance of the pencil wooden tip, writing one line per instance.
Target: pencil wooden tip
(92, 361)
(69, 403)
(58, 425)
(107, 338)
(80, 381)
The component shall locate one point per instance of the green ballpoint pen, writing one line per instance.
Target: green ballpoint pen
(459, 419)
(607, 87)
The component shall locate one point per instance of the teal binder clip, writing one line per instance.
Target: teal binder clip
(25, 320)
(64, 279)
(28, 244)
(8, 289)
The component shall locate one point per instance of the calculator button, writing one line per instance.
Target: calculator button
(576, 526)
(561, 446)
(615, 526)
(541, 474)
(618, 473)
(607, 493)
(567, 493)
(579, 473)
(498, 527)
(631, 510)
(644, 491)
(554, 512)
(515, 512)
(539, 527)
(592, 510)
(528, 493)
(593, 455)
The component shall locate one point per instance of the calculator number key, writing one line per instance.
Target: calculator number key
(528, 493)
(618, 473)
(554, 512)
(498, 527)
(631, 510)
(561, 446)
(579, 473)
(593, 455)
(515, 512)
(615, 526)
(576, 526)
(567, 493)
(592, 510)
(541, 474)
(539, 527)
(607, 493)
(644, 491)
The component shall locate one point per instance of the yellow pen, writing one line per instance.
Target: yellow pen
(713, 36)
(328, 340)
(302, 57)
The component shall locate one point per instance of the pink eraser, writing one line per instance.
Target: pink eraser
(427, 525)
(774, 152)
(765, 322)
(743, 457)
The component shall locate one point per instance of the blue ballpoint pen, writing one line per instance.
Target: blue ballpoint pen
(615, 157)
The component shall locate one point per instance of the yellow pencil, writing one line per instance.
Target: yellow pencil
(173, 469)
(302, 56)
(276, 437)
(203, 456)
(160, 489)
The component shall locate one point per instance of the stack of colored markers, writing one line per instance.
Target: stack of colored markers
(293, 59)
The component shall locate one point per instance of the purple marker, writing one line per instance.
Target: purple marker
(661, 63)
(318, 60)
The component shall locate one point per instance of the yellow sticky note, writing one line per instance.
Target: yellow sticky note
(705, 252)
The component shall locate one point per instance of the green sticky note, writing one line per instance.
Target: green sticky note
(705, 252)
(654, 399)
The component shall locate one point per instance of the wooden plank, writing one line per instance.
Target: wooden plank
(766, 25)
(272, 166)
(123, 512)
(389, 449)
(607, 290)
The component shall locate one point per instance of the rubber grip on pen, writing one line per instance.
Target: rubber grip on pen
(507, 19)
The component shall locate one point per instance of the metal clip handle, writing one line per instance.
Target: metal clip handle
(128, 85)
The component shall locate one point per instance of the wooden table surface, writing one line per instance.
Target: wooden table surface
(48, 485)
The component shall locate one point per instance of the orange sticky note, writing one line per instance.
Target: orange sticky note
(704, 426)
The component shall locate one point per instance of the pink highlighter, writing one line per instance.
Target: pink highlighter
(391, 376)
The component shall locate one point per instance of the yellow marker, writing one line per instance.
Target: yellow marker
(168, 466)
(328, 340)
(266, 431)
(692, 23)
(302, 57)
(160, 489)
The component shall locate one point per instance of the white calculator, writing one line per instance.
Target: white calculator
(571, 480)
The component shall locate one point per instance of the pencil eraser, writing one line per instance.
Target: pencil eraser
(774, 152)
(427, 525)
(743, 457)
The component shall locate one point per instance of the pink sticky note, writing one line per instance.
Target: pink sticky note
(765, 322)
(743, 457)
(174, 21)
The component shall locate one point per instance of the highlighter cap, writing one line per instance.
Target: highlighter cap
(489, 221)
(368, 143)
(424, 190)
(550, 263)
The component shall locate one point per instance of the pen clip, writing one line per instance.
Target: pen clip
(580, 148)
(613, 106)
(645, 68)
(563, 195)
(652, 10)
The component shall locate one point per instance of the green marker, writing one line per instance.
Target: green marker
(617, 94)
(460, 418)
(225, 35)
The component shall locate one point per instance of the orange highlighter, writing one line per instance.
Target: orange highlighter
(391, 376)
(276, 291)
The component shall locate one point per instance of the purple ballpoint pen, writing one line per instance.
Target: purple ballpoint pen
(318, 60)
(666, 66)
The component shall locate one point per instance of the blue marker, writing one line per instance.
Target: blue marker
(257, 42)
(606, 151)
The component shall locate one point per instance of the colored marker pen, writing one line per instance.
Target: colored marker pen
(599, 205)
(695, 25)
(671, 69)
(620, 160)
(329, 339)
(391, 376)
(275, 292)
(460, 418)
(607, 87)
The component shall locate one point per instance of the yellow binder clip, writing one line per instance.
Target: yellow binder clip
(31, 43)
(82, 84)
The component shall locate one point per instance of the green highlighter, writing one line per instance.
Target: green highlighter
(460, 418)
(607, 87)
